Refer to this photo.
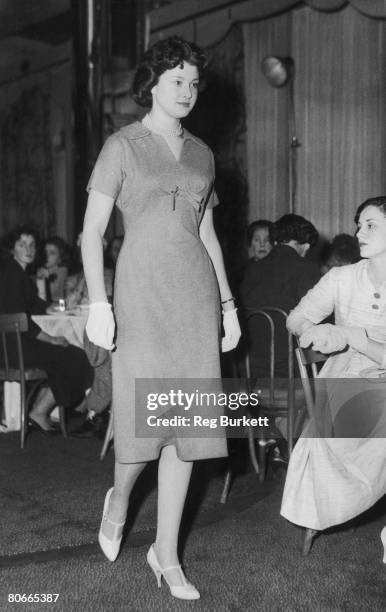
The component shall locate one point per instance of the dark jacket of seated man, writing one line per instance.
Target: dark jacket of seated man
(281, 279)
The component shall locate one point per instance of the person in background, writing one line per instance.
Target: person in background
(76, 287)
(54, 272)
(261, 239)
(112, 251)
(69, 373)
(343, 250)
(278, 280)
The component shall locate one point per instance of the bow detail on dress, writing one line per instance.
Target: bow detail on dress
(193, 198)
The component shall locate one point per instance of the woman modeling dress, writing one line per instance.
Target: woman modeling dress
(334, 478)
(166, 295)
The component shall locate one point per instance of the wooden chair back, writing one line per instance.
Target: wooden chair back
(278, 400)
(15, 324)
(307, 361)
(12, 324)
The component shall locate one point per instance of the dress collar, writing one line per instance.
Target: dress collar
(138, 130)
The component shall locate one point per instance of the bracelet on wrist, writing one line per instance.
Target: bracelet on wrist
(231, 299)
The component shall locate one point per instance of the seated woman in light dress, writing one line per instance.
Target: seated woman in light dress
(338, 467)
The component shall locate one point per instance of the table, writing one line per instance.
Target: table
(71, 326)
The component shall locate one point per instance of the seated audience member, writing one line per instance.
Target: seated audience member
(280, 279)
(76, 286)
(99, 399)
(338, 468)
(261, 240)
(112, 251)
(343, 250)
(55, 269)
(68, 370)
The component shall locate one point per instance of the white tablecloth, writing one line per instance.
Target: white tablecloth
(69, 326)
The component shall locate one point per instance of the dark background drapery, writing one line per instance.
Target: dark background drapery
(26, 162)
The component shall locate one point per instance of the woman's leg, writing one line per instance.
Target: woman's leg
(173, 481)
(42, 407)
(124, 480)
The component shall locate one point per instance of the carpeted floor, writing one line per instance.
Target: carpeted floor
(242, 556)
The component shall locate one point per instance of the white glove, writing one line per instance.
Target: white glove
(100, 325)
(232, 330)
(325, 338)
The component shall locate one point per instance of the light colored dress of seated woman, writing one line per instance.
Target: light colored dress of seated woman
(338, 467)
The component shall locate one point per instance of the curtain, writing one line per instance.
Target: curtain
(340, 105)
(267, 130)
(26, 163)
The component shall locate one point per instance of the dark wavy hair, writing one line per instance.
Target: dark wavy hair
(63, 249)
(378, 202)
(342, 250)
(10, 239)
(164, 55)
(294, 227)
(261, 224)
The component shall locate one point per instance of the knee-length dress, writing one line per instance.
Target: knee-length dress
(331, 480)
(166, 298)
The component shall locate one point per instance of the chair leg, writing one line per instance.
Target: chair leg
(252, 450)
(62, 421)
(227, 485)
(262, 452)
(23, 415)
(108, 437)
(308, 540)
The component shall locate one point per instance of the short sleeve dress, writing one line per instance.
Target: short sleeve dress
(166, 297)
(331, 480)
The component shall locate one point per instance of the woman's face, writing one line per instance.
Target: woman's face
(24, 250)
(371, 232)
(260, 243)
(52, 255)
(176, 91)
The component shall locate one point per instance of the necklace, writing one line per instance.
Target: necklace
(178, 130)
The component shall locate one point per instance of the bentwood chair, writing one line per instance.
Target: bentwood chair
(309, 363)
(278, 397)
(14, 325)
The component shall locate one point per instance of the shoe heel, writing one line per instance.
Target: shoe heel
(183, 591)
(110, 547)
(153, 562)
(158, 575)
(383, 540)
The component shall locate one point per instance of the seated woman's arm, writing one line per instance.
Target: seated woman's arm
(315, 306)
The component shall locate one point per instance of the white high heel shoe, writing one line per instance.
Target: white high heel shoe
(110, 547)
(183, 591)
(383, 540)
